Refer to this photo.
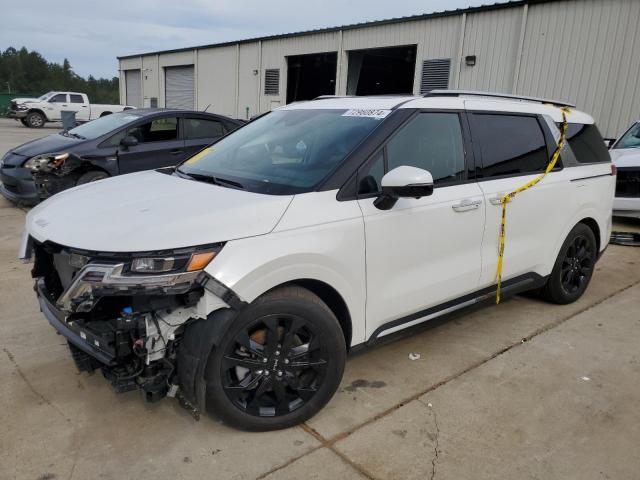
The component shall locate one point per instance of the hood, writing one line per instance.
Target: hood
(25, 100)
(625, 157)
(50, 144)
(152, 211)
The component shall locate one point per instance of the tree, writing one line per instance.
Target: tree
(29, 73)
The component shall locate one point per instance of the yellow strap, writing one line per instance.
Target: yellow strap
(505, 199)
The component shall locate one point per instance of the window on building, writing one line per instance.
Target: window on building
(509, 144)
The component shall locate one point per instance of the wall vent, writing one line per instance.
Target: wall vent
(272, 81)
(435, 74)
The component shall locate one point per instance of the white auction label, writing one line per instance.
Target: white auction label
(366, 112)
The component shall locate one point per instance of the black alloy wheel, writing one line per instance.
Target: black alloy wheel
(574, 266)
(577, 264)
(280, 361)
(274, 366)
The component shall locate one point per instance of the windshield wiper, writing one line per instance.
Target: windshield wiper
(221, 182)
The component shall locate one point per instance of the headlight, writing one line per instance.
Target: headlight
(21, 106)
(48, 160)
(188, 263)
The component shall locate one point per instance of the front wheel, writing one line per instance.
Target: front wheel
(573, 268)
(23, 121)
(35, 120)
(279, 363)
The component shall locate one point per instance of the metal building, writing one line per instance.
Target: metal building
(581, 51)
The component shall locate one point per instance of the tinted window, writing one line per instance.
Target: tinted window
(59, 98)
(431, 141)
(103, 125)
(76, 98)
(201, 128)
(509, 144)
(159, 130)
(587, 144)
(631, 139)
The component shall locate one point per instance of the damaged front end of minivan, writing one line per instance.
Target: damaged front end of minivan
(124, 314)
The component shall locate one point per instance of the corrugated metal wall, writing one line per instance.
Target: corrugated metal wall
(582, 51)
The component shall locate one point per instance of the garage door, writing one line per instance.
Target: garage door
(133, 87)
(179, 87)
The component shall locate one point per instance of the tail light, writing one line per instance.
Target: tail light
(614, 170)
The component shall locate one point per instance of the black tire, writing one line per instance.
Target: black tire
(574, 267)
(278, 364)
(92, 176)
(23, 121)
(35, 120)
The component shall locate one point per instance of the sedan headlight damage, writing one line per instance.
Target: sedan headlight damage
(46, 162)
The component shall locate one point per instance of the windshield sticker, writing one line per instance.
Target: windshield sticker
(198, 156)
(370, 113)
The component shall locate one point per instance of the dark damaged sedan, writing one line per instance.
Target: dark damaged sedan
(125, 142)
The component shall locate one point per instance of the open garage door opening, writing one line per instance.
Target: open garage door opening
(379, 71)
(309, 76)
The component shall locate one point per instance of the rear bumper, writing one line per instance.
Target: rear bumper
(626, 207)
(17, 185)
(82, 339)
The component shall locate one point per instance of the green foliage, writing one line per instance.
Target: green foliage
(29, 72)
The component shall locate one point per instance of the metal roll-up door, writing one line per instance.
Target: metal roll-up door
(179, 87)
(133, 87)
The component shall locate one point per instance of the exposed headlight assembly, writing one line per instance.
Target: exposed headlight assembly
(187, 263)
(47, 161)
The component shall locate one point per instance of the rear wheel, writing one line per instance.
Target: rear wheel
(279, 363)
(573, 268)
(92, 176)
(35, 120)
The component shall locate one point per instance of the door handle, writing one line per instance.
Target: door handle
(497, 200)
(466, 205)
(175, 152)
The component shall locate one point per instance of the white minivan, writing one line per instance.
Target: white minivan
(240, 280)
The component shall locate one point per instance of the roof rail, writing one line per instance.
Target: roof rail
(473, 93)
(326, 97)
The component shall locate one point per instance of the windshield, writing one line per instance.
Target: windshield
(45, 96)
(286, 151)
(631, 139)
(103, 125)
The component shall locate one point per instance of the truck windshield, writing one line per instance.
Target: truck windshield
(284, 152)
(103, 125)
(45, 96)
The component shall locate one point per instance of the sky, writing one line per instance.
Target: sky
(92, 33)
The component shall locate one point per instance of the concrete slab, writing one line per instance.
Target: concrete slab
(322, 464)
(563, 405)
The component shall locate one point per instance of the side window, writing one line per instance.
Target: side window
(76, 98)
(431, 141)
(59, 98)
(159, 130)
(509, 144)
(202, 128)
(631, 139)
(587, 144)
(114, 141)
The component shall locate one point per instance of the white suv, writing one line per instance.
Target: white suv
(625, 154)
(240, 280)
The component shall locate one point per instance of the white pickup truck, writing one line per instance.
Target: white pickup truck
(35, 112)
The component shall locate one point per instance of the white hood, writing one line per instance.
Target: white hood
(24, 100)
(625, 157)
(152, 211)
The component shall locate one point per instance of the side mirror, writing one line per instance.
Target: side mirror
(403, 182)
(129, 141)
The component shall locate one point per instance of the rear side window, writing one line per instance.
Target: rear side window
(587, 144)
(509, 145)
(159, 130)
(200, 128)
(76, 98)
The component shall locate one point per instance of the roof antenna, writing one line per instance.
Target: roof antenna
(207, 108)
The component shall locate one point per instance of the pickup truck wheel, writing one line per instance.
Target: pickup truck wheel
(278, 364)
(35, 120)
(573, 268)
(23, 121)
(92, 176)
